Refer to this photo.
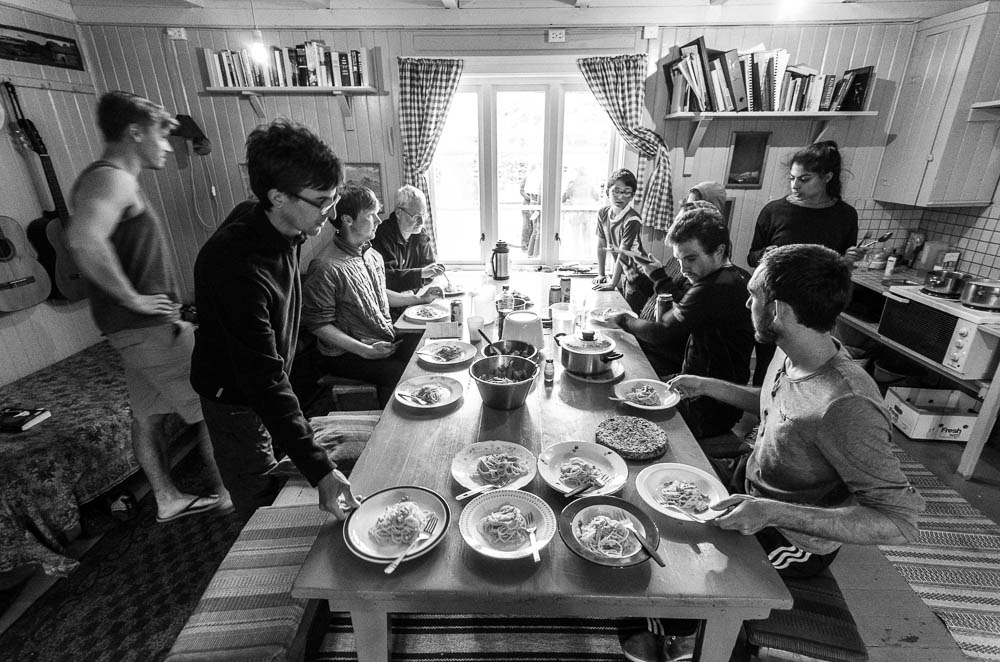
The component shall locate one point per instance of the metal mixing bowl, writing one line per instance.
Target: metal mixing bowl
(508, 347)
(503, 396)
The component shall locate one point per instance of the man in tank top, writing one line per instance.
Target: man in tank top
(119, 243)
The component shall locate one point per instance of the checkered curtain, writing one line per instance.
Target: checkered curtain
(426, 88)
(618, 83)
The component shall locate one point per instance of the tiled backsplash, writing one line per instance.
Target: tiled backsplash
(975, 231)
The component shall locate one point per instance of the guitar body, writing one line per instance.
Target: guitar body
(46, 235)
(23, 280)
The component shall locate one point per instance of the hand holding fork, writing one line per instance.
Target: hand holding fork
(424, 534)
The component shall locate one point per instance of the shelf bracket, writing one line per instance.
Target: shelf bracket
(255, 102)
(694, 143)
(818, 130)
(346, 110)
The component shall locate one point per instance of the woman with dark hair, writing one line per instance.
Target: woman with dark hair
(813, 213)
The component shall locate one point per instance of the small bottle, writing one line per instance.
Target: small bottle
(890, 264)
(505, 306)
(549, 373)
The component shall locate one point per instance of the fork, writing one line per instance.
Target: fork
(627, 523)
(599, 483)
(428, 529)
(484, 488)
(411, 399)
(672, 508)
(529, 518)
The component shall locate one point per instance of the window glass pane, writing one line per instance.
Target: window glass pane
(455, 183)
(587, 142)
(520, 142)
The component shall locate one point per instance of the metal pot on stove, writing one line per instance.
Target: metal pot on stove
(945, 283)
(586, 353)
(981, 293)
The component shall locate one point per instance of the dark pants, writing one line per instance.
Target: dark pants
(243, 451)
(383, 373)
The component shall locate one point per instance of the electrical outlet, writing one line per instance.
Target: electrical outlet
(651, 32)
(177, 33)
(557, 36)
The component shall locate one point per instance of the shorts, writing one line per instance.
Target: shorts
(158, 370)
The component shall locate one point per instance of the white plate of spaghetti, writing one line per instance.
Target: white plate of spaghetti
(387, 521)
(567, 465)
(499, 463)
(446, 352)
(493, 523)
(591, 528)
(429, 391)
(648, 394)
(683, 486)
(425, 312)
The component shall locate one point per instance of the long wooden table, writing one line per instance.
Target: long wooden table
(718, 576)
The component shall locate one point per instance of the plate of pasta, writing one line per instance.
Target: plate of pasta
(568, 465)
(429, 391)
(592, 528)
(494, 523)
(387, 521)
(446, 352)
(647, 394)
(423, 313)
(500, 463)
(682, 486)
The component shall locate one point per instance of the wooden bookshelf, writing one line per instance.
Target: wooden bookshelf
(343, 94)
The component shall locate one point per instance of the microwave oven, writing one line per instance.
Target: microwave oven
(941, 330)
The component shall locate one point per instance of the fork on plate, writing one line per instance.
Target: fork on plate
(597, 484)
(627, 523)
(529, 518)
(409, 397)
(680, 511)
(484, 488)
(424, 534)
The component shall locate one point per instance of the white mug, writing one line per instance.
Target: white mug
(524, 325)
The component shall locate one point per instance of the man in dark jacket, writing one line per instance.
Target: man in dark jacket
(708, 331)
(404, 247)
(248, 294)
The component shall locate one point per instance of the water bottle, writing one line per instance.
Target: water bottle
(505, 306)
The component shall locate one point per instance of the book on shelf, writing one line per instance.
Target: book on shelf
(829, 89)
(677, 88)
(734, 78)
(841, 91)
(344, 62)
(701, 72)
(858, 89)
(814, 96)
(19, 419)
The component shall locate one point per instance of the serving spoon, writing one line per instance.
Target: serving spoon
(884, 237)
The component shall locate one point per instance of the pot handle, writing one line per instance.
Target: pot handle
(557, 337)
(613, 356)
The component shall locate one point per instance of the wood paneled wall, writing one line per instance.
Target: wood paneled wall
(59, 102)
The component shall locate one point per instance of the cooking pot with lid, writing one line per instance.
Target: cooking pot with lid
(586, 353)
(981, 293)
(945, 283)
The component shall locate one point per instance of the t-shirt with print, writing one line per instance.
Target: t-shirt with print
(623, 231)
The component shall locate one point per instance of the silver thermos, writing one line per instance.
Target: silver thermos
(500, 261)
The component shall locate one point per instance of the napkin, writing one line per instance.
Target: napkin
(444, 329)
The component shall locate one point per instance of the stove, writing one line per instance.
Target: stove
(954, 306)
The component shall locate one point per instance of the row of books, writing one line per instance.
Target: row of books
(707, 80)
(310, 64)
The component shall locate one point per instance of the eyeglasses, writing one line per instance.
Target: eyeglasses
(324, 206)
(622, 192)
(416, 217)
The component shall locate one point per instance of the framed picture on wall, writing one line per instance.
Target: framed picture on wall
(746, 159)
(39, 48)
(368, 175)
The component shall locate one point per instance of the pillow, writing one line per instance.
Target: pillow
(342, 434)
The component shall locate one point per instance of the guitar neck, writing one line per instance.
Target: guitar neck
(57, 197)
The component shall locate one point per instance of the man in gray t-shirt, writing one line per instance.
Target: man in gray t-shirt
(822, 472)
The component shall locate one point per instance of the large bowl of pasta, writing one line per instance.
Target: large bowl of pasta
(503, 381)
(495, 523)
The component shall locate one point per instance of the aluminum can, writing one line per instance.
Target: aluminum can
(457, 314)
(555, 294)
(565, 284)
(664, 302)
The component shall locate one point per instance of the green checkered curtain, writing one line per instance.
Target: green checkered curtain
(426, 88)
(618, 83)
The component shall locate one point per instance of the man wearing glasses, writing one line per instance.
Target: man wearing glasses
(248, 293)
(404, 247)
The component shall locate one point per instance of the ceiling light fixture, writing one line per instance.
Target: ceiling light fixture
(257, 49)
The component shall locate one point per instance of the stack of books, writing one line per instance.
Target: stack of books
(310, 64)
(707, 80)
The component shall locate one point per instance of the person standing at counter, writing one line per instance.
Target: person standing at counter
(619, 227)
(813, 213)
(248, 292)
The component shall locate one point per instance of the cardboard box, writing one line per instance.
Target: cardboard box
(925, 413)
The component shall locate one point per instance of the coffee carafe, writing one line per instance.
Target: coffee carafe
(500, 261)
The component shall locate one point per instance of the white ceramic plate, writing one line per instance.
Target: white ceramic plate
(463, 465)
(605, 459)
(426, 353)
(469, 523)
(363, 518)
(668, 397)
(433, 313)
(602, 315)
(650, 479)
(452, 386)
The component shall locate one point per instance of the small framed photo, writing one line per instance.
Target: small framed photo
(746, 159)
(33, 47)
(859, 84)
(368, 175)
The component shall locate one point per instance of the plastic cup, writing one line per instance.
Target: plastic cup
(563, 318)
(475, 325)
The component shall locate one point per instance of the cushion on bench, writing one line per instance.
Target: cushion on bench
(343, 434)
(819, 625)
(247, 611)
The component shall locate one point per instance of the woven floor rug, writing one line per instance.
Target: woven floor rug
(954, 565)
(134, 589)
(477, 638)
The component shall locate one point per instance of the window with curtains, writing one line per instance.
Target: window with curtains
(523, 159)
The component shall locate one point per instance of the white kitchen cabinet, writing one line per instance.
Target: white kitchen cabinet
(939, 152)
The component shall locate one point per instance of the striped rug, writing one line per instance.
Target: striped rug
(954, 566)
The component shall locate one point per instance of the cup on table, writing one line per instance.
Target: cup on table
(563, 318)
(475, 325)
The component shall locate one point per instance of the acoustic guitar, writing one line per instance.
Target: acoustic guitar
(46, 233)
(23, 280)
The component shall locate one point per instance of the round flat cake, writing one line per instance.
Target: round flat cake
(631, 437)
